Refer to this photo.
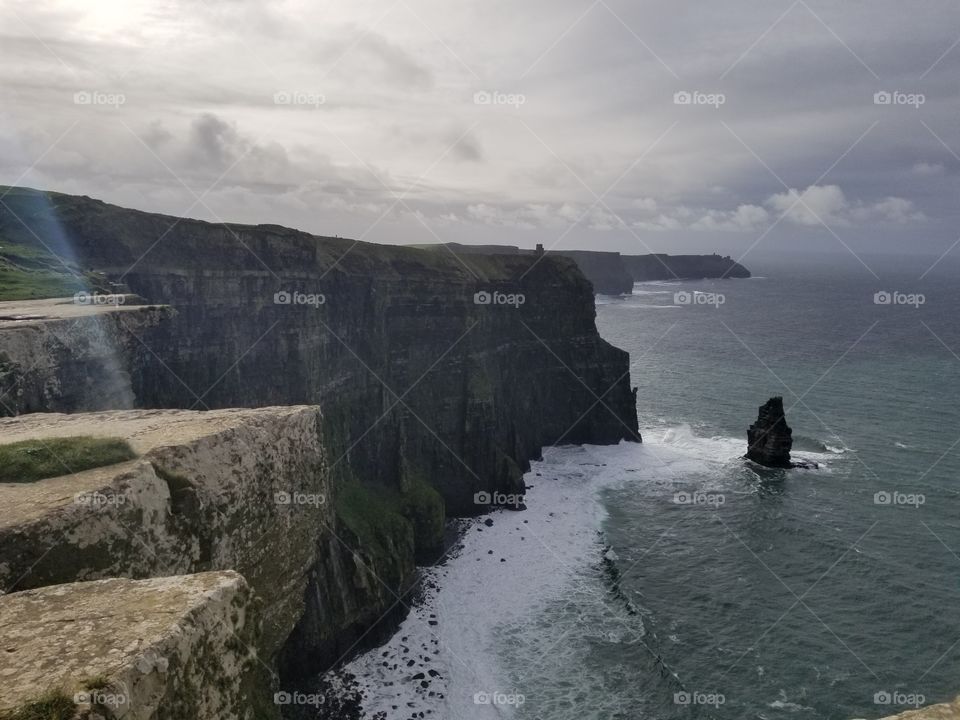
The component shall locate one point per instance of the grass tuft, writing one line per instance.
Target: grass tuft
(31, 460)
(52, 705)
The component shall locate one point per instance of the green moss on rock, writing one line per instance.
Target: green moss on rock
(31, 460)
(424, 509)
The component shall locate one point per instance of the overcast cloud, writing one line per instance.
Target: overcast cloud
(616, 124)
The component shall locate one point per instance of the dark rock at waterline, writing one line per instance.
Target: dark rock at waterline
(770, 439)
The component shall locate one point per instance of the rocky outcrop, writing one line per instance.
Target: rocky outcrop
(206, 493)
(67, 354)
(644, 268)
(244, 490)
(175, 647)
(770, 439)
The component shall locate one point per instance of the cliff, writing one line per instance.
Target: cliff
(644, 268)
(611, 273)
(416, 380)
(604, 270)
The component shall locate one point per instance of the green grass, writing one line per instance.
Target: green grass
(31, 460)
(371, 513)
(28, 274)
(52, 705)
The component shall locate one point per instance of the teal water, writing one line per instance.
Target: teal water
(800, 596)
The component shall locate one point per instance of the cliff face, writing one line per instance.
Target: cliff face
(644, 268)
(416, 376)
(605, 270)
(437, 377)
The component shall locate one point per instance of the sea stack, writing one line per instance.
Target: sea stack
(769, 439)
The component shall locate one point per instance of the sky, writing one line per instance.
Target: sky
(747, 127)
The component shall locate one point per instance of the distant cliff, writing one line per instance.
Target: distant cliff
(682, 267)
(611, 273)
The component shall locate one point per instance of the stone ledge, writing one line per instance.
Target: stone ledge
(167, 647)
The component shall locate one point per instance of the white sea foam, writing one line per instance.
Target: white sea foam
(500, 581)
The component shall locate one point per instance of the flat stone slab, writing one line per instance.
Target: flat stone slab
(17, 313)
(132, 648)
(144, 430)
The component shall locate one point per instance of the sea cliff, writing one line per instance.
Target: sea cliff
(425, 379)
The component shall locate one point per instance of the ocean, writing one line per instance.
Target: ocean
(673, 579)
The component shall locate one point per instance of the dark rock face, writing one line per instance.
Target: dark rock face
(605, 270)
(770, 439)
(683, 267)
